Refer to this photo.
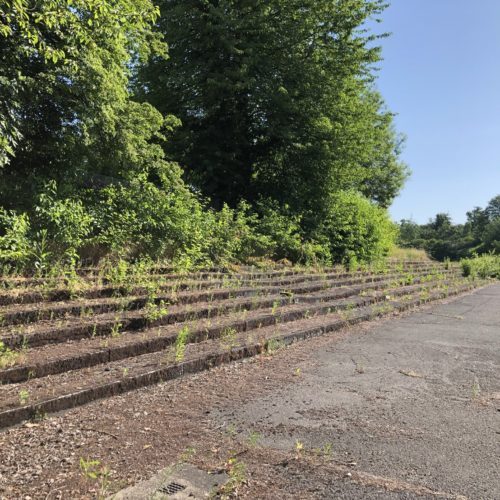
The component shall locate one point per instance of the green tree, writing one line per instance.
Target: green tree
(276, 99)
(493, 208)
(65, 111)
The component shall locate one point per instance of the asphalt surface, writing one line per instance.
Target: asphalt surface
(412, 401)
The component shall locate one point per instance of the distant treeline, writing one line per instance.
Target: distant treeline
(442, 239)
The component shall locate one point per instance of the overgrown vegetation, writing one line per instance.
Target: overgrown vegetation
(442, 239)
(485, 266)
(258, 136)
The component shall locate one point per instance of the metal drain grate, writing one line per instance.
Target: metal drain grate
(171, 488)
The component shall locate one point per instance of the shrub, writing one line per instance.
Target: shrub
(15, 248)
(63, 224)
(356, 229)
(485, 266)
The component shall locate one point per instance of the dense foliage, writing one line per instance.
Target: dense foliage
(261, 135)
(443, 239)
(275, 99)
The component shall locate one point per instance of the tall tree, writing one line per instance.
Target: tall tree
(276, 99)
(65, 107)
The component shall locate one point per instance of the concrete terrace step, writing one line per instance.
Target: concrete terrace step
(59, 330)
(51, 359)
(57, 392)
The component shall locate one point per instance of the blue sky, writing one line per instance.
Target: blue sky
(441, 74)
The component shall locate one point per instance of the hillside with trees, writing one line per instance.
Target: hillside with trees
(196, 132)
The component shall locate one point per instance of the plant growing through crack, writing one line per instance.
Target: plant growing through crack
(237, 476)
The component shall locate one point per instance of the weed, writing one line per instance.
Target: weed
(125, 372)
(299, 448)
(231, 430)
(24, 397)
(95, 471)
(8, 357)
(39, 416)
(327, 449)
(274, 345)
(476, 389)
(228, 337)
(187, 454)
(297, 372)
(237, 476)
(276, 304)
(253, 438)
(115, 329)
(154, 311)
(180, 344)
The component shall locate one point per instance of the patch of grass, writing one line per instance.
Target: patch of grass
(413, 254)
(237, 476)
(274, 345)
(24, 397)
(253, 438)
(228, 337)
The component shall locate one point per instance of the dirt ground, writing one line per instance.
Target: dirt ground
(406, 407)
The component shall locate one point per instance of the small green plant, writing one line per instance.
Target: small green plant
(476, 389)
(253, 438)
(188, 453)
(231, 430)
(274, 345)
(115, 329)
(327, 449)
(299, 448)
(95, 471)
(228, 337)
(237, 476)
(180, 344)
(24, 397)
(276, 304)
(8, 357)
(154, 311)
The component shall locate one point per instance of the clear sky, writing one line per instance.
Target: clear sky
(441, 74)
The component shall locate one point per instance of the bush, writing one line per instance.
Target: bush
(140, 219)
(54, 232)
(15, 247)
(356, 229)
(485, 266)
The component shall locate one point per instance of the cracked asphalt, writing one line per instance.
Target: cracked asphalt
(415, 400)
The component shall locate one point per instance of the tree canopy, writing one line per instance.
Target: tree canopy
(276, 99)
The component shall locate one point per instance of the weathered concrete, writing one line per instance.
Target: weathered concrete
(414, 399)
